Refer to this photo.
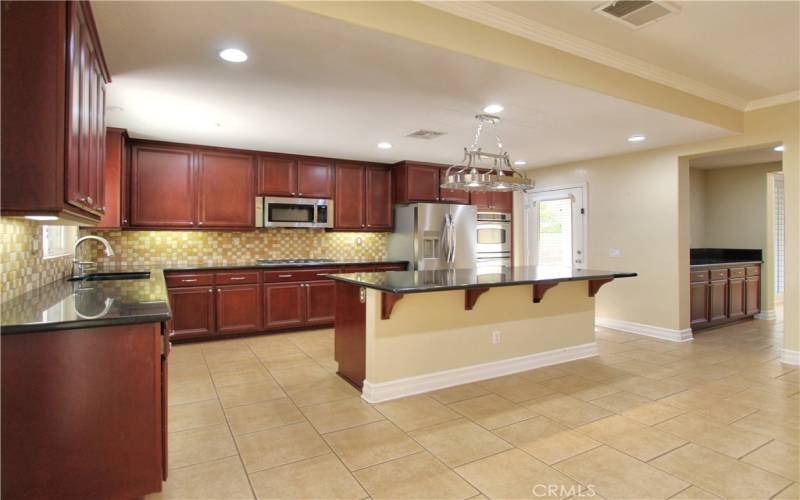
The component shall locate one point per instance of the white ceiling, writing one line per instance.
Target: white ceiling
(318, 86)
(750, 49)
(737, 158)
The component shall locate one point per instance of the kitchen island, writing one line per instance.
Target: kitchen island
(403, 333)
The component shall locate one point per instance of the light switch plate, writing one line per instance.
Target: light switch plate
(614, 252)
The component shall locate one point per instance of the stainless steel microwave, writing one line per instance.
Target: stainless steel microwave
(273, 211)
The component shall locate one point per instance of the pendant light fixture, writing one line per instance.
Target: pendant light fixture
(498, 174)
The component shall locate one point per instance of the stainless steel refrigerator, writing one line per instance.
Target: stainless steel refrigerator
(435, 236)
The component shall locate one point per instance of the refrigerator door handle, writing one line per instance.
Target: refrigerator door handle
(452, 243)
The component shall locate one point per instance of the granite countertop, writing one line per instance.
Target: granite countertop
(459, 279)
(724, 256)
(721, 262)
(63, 304)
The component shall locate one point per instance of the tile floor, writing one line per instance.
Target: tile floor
(266, 417)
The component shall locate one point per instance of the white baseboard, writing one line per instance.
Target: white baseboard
(384, 391)
(790, 357)
(646, 330)
(769, 314)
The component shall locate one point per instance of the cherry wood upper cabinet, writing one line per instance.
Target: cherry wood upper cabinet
(378, 198)
(53, 112)
(348, 206)
(226, 194)
(162, 186)
(493, 201)
(315, 178)
(416, 182)
(115, 216)
(451, 195)
(277, 176)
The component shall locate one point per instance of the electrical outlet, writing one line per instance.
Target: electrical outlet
(614, 252)
(496, 337)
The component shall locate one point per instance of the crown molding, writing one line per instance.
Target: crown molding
(775, 100)
(515, 24)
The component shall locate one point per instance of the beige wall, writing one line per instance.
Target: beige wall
(639, 202)
(736, 206)
(431, 332)
(697, 207)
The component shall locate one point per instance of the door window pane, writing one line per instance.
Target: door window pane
(555, 233)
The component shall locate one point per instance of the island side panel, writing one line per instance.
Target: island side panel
(432, 332)
(350, 333)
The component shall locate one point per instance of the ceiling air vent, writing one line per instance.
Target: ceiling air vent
(636, 14)
(425, 134)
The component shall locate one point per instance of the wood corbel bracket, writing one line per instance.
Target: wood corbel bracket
(594, 285)
(471, 297)
(388, 300)
(539, 290)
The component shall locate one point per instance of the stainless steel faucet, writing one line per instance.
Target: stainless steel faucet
(79, 267)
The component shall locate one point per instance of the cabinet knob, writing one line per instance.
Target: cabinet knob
(210, 290)
(124, 221)
(89, 200)
(299, 194)
(200, 223)
(191, 223)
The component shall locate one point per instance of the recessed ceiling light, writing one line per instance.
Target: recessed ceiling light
(520, 162)
(637, 138)
(41, 217)
(493, 108)
(778, 148)
(233, 55)
(385, 145)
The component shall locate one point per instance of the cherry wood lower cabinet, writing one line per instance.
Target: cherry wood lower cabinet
(192, 311)
(238, 308)
(723, 293)
(320, 302)
(84, 412)
(284, 305)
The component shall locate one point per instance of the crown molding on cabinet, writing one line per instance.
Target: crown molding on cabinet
(521, 26)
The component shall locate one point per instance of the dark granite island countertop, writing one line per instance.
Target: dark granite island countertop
(64, 305)
(402, 282)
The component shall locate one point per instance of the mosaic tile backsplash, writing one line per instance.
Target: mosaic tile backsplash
(23, 268)
(202, 247)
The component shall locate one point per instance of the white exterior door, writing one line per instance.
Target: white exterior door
(555, 227)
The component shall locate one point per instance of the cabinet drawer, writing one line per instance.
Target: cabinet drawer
(237, 278)
(297, 275)
(736, 272)
(697, 276)
(753, 270)
(190, 279)
(719, 274)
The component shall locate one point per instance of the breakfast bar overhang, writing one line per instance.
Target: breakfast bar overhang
(403, 333)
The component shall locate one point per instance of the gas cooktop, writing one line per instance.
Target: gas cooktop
(293, 261)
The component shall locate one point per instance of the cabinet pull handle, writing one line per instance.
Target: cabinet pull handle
(284, 276)
(189, 281)
(236, 278)
(89, 200)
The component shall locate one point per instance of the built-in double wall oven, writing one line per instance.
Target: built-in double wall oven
(273, 211)
(494, 241)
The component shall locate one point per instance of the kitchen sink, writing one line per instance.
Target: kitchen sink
(138, 275)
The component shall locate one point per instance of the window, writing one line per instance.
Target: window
(57, 241)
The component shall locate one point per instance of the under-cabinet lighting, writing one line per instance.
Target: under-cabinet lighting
(637, 138)
(41, 217)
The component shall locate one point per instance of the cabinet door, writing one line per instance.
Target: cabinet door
(238, 308)
(736, 298)
(76, 47)
(422, 182)
(482, 200)
(284, 305)
(115, 157)
(717, 300)
(752, 301)
(79, 168)
(226, 194)
(314, 179)
(277, 176)
(698, 297)
(452, 195)
(98, 156)
(162, 187)
(502, 202)
(378, 198)
(348, 207)
(320, 302)
(192, 311)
